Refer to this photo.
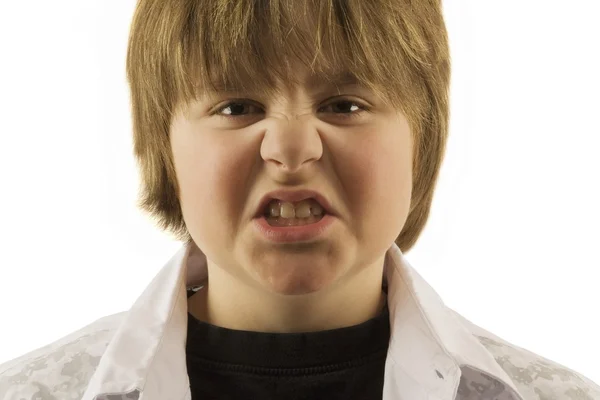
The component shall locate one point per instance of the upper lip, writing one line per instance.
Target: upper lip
(293, 196)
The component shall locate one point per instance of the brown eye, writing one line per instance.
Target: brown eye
(235, 109)
(347, 108)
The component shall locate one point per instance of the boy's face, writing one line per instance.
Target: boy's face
(301, 140)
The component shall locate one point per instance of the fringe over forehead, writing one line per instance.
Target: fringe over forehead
(251, 45)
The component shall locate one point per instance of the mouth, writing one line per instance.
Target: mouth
(294, 230)
(299, 207)
(285, 214)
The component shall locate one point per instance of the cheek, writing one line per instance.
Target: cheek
(212, 185)
(378, 178)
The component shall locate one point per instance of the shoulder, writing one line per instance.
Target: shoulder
(61, 369)
(536, 377)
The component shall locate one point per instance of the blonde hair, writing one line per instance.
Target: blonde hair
(178, 48)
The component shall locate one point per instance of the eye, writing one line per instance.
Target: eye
(235, 109)
(348, 108)
(242, 108)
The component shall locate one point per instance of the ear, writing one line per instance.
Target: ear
(196, 266)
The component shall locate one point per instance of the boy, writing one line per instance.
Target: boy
(295, 213)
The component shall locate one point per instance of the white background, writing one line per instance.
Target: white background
(512, 242)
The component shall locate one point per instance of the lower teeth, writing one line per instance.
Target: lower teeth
(278, 221)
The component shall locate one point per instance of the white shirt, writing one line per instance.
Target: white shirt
(433, 354)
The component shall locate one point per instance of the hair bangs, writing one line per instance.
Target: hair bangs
(261, 46)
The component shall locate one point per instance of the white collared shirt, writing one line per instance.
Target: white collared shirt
(433, 354)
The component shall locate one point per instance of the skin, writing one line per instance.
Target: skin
(299, 140)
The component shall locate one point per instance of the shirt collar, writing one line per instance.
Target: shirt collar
(431, 354)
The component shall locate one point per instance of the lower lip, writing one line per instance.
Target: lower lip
(290, 234)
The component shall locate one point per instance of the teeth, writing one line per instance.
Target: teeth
(303, 209)
(274, 208)
(287, 210)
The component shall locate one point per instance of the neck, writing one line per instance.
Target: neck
(234, 305)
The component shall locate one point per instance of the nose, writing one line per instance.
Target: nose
(291, 145)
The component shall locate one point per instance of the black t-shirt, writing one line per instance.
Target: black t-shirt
(346, 363)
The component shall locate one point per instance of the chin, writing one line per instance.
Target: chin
(292, 281)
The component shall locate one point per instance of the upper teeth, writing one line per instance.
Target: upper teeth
(302, 209)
